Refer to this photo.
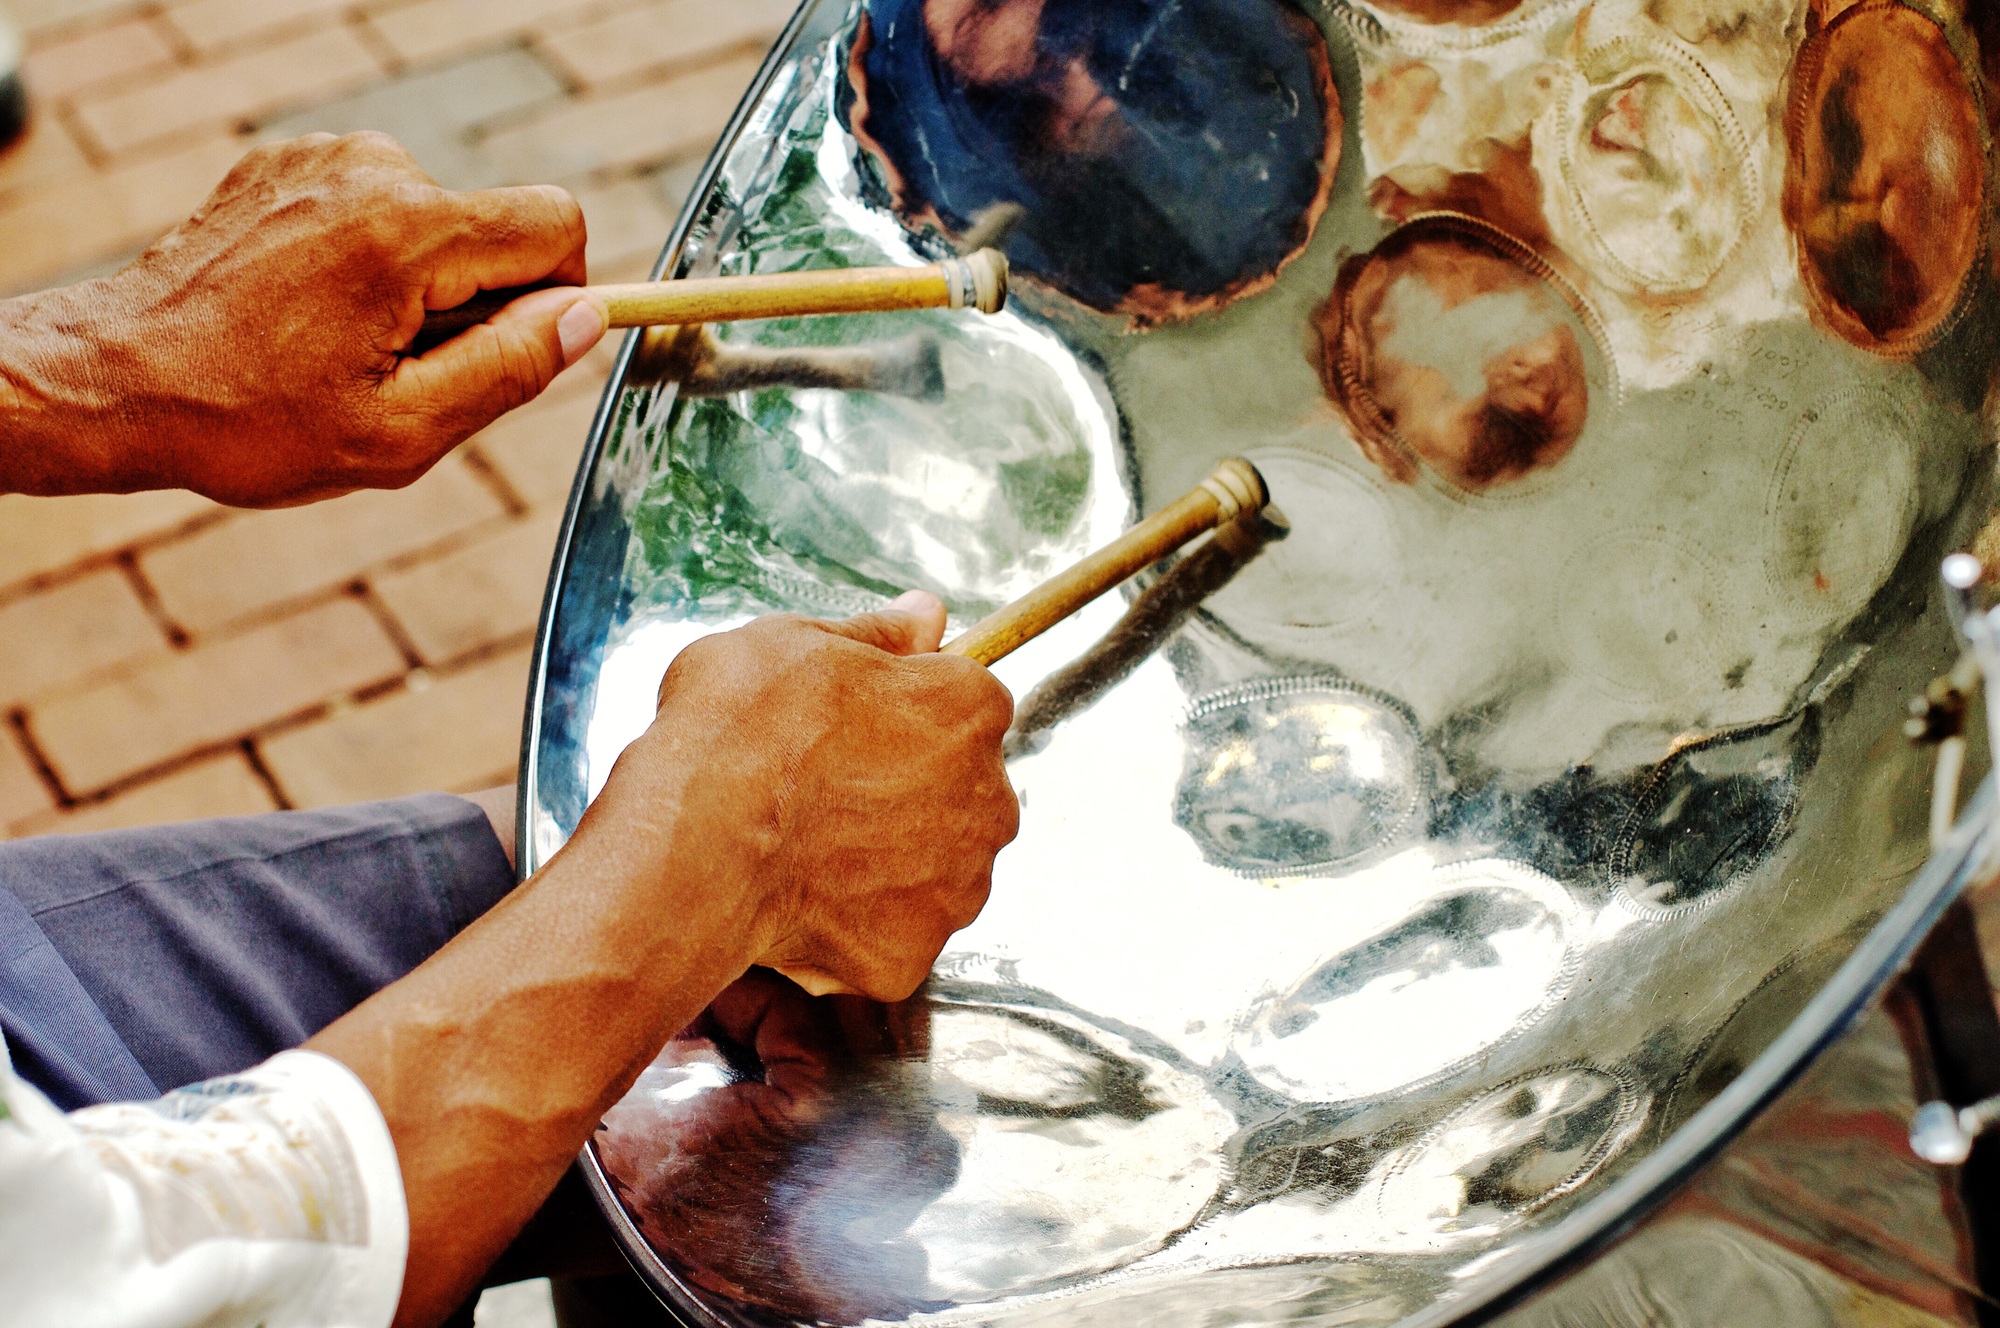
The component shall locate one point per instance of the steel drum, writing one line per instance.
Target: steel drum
(1504, 895)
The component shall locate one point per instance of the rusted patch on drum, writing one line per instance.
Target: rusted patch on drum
(1479, 958)
(1712, 814)
(1843, 501)
(1453, 347)
(1510, 1151)
(1297, 776)
(1885, 180)
(1656, 170)
(1085, 121)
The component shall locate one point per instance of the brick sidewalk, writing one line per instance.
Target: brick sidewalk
(164, 658)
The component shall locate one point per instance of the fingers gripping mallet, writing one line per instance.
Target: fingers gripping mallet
(977, 281)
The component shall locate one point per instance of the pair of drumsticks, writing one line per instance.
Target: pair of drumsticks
(978, 281)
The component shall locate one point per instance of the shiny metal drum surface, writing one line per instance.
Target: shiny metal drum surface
(1425, 904)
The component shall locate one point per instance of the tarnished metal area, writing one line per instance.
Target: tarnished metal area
(1411, 901)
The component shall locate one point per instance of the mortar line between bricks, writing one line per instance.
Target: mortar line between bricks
(664, 71)
(357, 18)
(77, 569)
(604, 176)
(66, 30)
(238, 127)
(496, 483)
(183, 48)
(581, 93)
(264, 775)
(467, 660)
(567, 79)
(178, 637)
(361, 590)
(95, 154)
(118, 788)
(24, 738)
(272, 611)
(284, 30)
(180, 760)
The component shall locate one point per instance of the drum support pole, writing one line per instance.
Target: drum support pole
(1232, 491)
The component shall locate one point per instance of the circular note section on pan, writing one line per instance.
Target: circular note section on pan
(1509, 1151)
(1463, 13)
(1286, 776)
(1843, 501)
(1453, 346)
(1482, 953)
(1712, 814)
(1079, 1150)
(1885, 181)
(836, 1161)
(1638, 614)
(1654, 168)
(1157, 158)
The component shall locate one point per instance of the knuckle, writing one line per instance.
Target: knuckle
(564, 212)
(972, 901)
(996, 706)
(371, 143)
(700, 654)
(898, 981)
(1007, 813)
(269, 154)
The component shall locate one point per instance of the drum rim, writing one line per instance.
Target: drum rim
(1544, 1257)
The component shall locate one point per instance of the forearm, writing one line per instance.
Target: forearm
(495, 1060)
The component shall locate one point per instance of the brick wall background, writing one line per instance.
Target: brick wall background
(163, 658)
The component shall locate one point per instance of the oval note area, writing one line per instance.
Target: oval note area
(1291, 775)
(1484, 953)
(1654, 171)
(1154, 158)
(1452, 345)
(1886, 178)
(1509, 1151)
(1079, 1151)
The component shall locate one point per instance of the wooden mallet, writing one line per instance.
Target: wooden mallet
(1233, 490)
(977, 281)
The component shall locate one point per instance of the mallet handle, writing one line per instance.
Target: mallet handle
(1234, 488)
(977, 281)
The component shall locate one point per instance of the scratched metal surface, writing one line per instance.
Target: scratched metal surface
(1620, 369)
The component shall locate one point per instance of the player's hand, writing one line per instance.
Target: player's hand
(256, 354)
(847, 775)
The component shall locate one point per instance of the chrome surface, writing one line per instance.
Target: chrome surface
(1407, 906)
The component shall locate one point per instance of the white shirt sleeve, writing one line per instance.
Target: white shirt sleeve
(270, 1198)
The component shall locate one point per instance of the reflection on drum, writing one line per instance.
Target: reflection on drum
(1482, 953)
(1075, 117)
(1510, 1151)
(1712, 814)
(1478, 895)
(1295, 775)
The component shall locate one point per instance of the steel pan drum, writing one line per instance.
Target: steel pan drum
(1488, 898)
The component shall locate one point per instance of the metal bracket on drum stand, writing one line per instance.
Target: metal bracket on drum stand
(1940, 1132)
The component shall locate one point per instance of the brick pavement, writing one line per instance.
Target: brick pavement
(164, 658)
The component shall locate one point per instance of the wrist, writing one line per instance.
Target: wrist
(684, 857)
(65, 402)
